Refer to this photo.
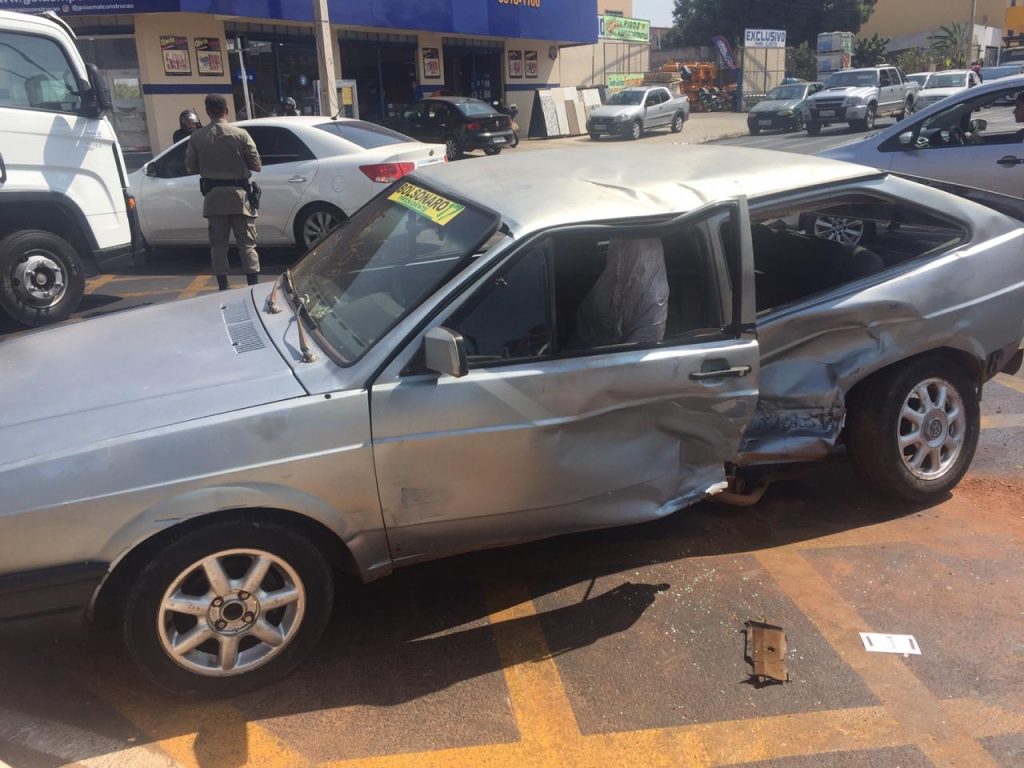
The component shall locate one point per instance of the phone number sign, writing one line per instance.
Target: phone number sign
(764, 38)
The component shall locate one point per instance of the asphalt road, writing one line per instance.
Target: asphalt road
(800, 142)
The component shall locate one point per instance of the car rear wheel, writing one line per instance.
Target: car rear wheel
(912, 432)
(492, 150)
(315, 223)
(453, 150)
(41, 277)
(677, 123)
(839, 229)
(227, 607)
(636, 130)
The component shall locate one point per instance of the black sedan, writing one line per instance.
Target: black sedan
(458, 122)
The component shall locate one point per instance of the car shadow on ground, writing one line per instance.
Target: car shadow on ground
(427, 628)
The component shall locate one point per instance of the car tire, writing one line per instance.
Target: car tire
(42, 279)
(868, 123)
(636, 130)
(677, 123)
(813, 129)
(492, 150)
(859, 233)
(453, 150)
(754, 130)
(880, 435)
(594, 136)
(177, 572)
(315, 222)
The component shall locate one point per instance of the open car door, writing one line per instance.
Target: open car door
(545, 427)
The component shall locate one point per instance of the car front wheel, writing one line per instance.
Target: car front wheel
(912, 432)
(636, 130)
(813, 129)
(227, 607)
(677, 123)
(41, 277)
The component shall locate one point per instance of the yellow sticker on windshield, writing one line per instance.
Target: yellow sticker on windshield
(434, 207)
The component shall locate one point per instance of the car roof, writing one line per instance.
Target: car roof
(454, 99)
(567, 185)
(284, 120)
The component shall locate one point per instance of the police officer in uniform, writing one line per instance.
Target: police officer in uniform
(225, 156)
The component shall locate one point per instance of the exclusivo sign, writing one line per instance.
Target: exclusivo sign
(764, 38)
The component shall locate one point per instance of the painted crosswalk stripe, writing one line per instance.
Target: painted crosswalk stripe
(76, 745)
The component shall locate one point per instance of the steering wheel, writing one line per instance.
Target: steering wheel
(957, 136)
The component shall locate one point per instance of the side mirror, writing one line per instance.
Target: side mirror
(149, 169)
(99, 92)
(907, 140)
(445, 352)
(978, 125)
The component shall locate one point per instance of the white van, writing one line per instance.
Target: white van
(64, 198)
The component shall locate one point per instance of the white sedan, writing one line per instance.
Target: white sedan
(316, 172)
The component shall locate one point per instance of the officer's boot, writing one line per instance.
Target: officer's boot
(222, 282)
(251, 278)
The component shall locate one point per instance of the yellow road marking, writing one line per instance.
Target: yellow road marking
(197, 285)
(919, 713)
(1011, 381)
(97, 282)
(1002, 421)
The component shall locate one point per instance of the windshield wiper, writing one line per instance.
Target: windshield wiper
(308, 355)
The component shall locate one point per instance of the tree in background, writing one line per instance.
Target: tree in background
(915, 60)
(950, 46)
(802, 62)
(697, 21)
(869, 51)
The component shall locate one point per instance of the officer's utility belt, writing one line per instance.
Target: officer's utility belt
(251, 188)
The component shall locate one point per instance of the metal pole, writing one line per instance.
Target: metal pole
(325, 58)
(245, 79)
(970, 34)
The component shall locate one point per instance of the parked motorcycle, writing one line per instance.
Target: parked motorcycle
(511, 110)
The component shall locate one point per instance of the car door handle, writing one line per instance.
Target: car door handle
(297, 179)
(1008, 161)
(737, 372)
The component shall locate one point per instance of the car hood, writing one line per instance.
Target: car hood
(612, 110)
(100, 379)
(776, 105)
(843, 91)
(934, 94)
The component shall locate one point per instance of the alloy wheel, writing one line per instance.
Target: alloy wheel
(231, 612)
(317, 226)
(841, 230)
(931, 428)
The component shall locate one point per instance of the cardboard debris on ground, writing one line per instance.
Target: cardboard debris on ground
(879, 642)
(767, 651)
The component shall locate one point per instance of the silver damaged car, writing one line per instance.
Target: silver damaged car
(484, 354)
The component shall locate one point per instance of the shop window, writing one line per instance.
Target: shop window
(817, 246)
(279, 145)
(35, 74)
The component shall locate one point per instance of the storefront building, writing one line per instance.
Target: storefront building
(161, 57)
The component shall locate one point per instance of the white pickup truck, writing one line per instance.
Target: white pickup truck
(634, 110)
(858, 96)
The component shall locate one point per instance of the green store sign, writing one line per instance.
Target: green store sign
(624, 28)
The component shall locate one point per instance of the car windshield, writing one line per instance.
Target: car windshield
(844, 79)
(994, 73)
(475, 108)
(394, 252)
(626, 98)
(919, 79)
(365, 135)
(956, 80)
(787, 93)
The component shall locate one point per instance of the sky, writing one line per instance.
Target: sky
(658, 11)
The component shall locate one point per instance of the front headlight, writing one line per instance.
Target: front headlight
(622, 117)
(854, 101)
(786, 113)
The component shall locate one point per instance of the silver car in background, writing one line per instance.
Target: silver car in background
(489, 353)
(970, 139)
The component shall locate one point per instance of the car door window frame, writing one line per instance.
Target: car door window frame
(270, 159)
(724, 276)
